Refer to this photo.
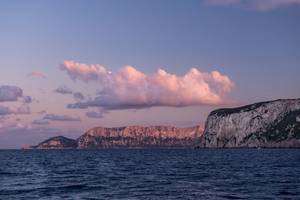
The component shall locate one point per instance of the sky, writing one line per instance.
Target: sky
(68, 66)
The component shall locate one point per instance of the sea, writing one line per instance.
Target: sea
(150, 174)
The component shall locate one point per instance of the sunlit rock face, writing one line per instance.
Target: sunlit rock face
(59, 142)
(140, 137)
(265, 124)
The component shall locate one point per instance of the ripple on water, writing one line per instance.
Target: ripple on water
(150, 174)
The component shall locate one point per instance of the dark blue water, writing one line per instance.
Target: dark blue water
(150, 174)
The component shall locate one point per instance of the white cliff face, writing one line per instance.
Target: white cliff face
(266, 124)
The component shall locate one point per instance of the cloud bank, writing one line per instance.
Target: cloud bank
(27, 99)
(96, 115)
(40, 122)
(261, 5)
(10, 93)
(78, 96)
(7, 110)
(131, 88)
(64, 90)
(64, 118)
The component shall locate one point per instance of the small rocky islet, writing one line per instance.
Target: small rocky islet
(271, 124)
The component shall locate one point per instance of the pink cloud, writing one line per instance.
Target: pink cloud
(262, 5)
(83, 71)
(131, 88)
(37, 74)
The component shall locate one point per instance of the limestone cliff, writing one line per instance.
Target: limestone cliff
(127, 137)
(140, 137)
(266, 124)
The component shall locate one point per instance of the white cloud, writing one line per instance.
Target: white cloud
(131, 88)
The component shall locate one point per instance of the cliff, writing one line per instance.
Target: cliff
(127, 137)
(266, 124)
(140, 137)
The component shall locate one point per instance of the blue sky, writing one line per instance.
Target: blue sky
(256, 46)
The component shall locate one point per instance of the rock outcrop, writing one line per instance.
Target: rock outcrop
(59, 142)
(140, 137)
(128, 137)
(266, 124)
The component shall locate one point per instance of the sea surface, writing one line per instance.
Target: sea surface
(150, 174)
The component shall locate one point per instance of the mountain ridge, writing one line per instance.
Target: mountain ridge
(128, 137)
(268, 124)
